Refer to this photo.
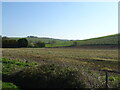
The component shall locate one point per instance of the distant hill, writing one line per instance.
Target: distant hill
(105, 40)
(50, 42)
(100, 41)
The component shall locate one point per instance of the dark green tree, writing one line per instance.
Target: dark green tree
(23, 42)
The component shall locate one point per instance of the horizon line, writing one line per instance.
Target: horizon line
(54, 38)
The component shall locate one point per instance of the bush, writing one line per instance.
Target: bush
(74, 43)
(22, 42)
(39, 44)
(48, 76)
(31, 45)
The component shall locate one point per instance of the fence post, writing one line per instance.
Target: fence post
(106, 74)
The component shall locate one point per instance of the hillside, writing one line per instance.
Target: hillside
(51, 42)
(105, 40)
(110, 40)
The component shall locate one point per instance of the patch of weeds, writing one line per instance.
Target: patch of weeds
(16, 62)
(113, 81)
(10, 66)
(113, 78)
(7, 85)
(48, 76)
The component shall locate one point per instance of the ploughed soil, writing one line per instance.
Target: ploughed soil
(91, 46)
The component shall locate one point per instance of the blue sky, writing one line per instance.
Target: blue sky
(0, 18)
(62, 20)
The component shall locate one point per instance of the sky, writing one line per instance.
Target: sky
(61, 20)
(0, 18)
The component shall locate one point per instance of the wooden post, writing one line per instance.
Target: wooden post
(106, 74)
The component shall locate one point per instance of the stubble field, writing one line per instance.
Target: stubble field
(88, 61)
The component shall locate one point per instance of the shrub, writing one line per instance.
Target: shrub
(74, 43)
(31, 45)
(39, 44)
(48, 76)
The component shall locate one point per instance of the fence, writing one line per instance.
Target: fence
(106, 75)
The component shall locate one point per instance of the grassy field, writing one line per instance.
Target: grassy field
(105, 40)
(87, 62)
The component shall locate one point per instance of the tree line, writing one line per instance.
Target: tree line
(23, 42)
